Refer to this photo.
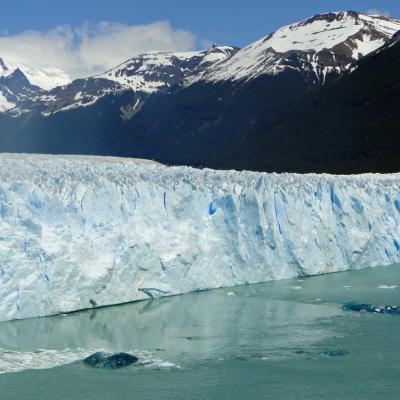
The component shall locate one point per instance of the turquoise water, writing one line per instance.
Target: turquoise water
(266, 341)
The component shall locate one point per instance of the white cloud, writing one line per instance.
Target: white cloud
(375, 11)
(69, 53)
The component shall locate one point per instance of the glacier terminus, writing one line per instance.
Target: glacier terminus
(78, 232)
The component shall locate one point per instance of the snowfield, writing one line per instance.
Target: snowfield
(81, 232)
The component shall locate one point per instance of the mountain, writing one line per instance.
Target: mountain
(45, 78)
(216, 108)
(351, 126)
(15, 88)
(142, 75)
(316, 47)
(212, 122)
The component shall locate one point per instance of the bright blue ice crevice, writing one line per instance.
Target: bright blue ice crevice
(212, 209)
(357, 206)
(318, 192)
(334, 198)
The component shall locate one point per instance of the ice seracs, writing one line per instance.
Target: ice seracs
(78, 232)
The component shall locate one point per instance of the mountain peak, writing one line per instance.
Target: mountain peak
(340, 15)
(322, 44)
(325, 31)
(3, 67)
(154, 71)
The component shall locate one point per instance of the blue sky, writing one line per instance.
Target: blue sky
(234, 22)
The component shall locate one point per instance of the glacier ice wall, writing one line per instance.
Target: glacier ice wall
(78, 232)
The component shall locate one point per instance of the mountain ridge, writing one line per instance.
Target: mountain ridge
(181, 116)
(300, 46)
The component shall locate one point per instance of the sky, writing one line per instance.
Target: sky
(83, 37)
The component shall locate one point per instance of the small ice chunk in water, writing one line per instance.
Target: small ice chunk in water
(296, 287)
(231, 294)
(107, 361)
(387, 287)
(335, 353)
(363, 307)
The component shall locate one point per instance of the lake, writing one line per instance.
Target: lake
(284, 339)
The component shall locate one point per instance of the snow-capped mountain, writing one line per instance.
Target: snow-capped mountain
(22, 84)
(44, 78)
(223, 107)
(315, 47)
(144, 75)
(15, 88)
(152, 71)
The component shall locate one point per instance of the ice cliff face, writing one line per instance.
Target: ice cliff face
(81, 232)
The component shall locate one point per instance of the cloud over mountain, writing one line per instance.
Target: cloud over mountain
(91, 49)
(375, 11)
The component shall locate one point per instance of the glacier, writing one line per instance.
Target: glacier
(78, 232)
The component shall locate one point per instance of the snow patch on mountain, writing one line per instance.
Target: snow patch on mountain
(15, 89)
(153, 71)
(82, 231)
(330, 30)
(5, 104)
(319, 47)
(144, 75)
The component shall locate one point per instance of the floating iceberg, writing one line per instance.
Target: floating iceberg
(79, 232)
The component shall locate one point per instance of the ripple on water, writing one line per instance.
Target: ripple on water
(387, 287)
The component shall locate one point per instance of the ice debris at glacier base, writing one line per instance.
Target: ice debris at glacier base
(110, 361)
(362, 307)
(77, 231)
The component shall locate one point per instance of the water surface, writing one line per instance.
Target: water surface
(265, 341)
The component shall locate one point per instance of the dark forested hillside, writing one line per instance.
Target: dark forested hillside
(350, 126)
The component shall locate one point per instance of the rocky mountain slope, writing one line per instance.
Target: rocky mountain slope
(15, 88)
(142, 75)
(316, 47)
(352, 125)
